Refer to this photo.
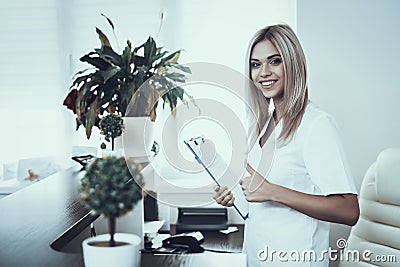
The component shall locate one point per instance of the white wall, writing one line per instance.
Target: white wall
(353, 58)
(220, 31)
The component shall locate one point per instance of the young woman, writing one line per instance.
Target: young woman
(308, 183)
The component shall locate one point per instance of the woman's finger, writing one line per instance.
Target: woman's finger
(230, 202)
(243, 185)
(220, 194)
(219, 190)
(226, 199)
(224, 194)
(250, 169)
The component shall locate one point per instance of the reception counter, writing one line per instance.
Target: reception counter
(50, 210)
(34, 217)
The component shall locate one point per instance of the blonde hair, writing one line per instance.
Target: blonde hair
(295, 96)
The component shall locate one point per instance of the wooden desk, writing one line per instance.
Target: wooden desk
(212, 240)
(32, 218)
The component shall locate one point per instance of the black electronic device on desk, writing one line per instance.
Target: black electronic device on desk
(197, 219)
(181, 244)
(83, 160)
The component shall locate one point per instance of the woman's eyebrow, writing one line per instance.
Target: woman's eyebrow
(274, 55)
(271, 56)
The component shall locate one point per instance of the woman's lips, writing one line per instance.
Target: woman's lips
(267, 84)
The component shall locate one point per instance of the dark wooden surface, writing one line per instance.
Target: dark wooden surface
(213, 240)
(218, 241)
(33, 218)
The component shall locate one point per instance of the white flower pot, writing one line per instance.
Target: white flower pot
(117, 152)
(125, 255)
(138, 137)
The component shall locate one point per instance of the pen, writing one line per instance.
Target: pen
(212, 176)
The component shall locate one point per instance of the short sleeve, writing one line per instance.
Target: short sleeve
(325, 159)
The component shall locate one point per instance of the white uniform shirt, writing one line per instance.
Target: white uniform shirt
(312, 162)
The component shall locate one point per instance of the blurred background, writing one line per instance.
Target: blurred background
(351, 47)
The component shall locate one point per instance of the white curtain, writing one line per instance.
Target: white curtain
(31, 80)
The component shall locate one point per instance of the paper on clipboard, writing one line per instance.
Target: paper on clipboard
(215, 166)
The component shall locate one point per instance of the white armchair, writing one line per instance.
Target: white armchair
(378, 229)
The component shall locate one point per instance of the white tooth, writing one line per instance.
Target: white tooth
(267, 83)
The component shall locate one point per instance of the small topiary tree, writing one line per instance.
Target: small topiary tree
(109, 188)
(111, 126)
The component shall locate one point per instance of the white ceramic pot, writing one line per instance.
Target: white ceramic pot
(122, 256)
(117, 152)
(138, 137)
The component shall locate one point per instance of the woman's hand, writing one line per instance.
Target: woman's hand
(338, 208)
(223, 196)
(255, 187)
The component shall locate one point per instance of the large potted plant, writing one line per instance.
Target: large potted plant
(128, 83)
(111, 188)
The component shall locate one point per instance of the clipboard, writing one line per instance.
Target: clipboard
(198, 141)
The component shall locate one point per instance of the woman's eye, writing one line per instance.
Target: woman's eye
(276, 61)
(254, 64)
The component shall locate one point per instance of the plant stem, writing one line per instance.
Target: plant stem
(111, 225)
(112, 143)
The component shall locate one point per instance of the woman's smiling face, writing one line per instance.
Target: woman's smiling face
(267, 71)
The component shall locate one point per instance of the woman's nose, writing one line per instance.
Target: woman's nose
(265, 71)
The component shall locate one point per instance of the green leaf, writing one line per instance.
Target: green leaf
(80, 102)
(179, 92)
(125, 97)
(81, 72)
(91, 118)
(80, 79)
(109, 20)
(141, 75)
(155, 107)
(171, 100)
(85, 97)
(98, 62)
(164, 98)
(103, 38)
(126, 58)
(158, 56)
(173, 57)
(114, 57)
(167, 61)
(176, 76)
(78, 123)
(182, 68)
(150, 51)
(138, 48)
(139, 60)
(109, 73)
